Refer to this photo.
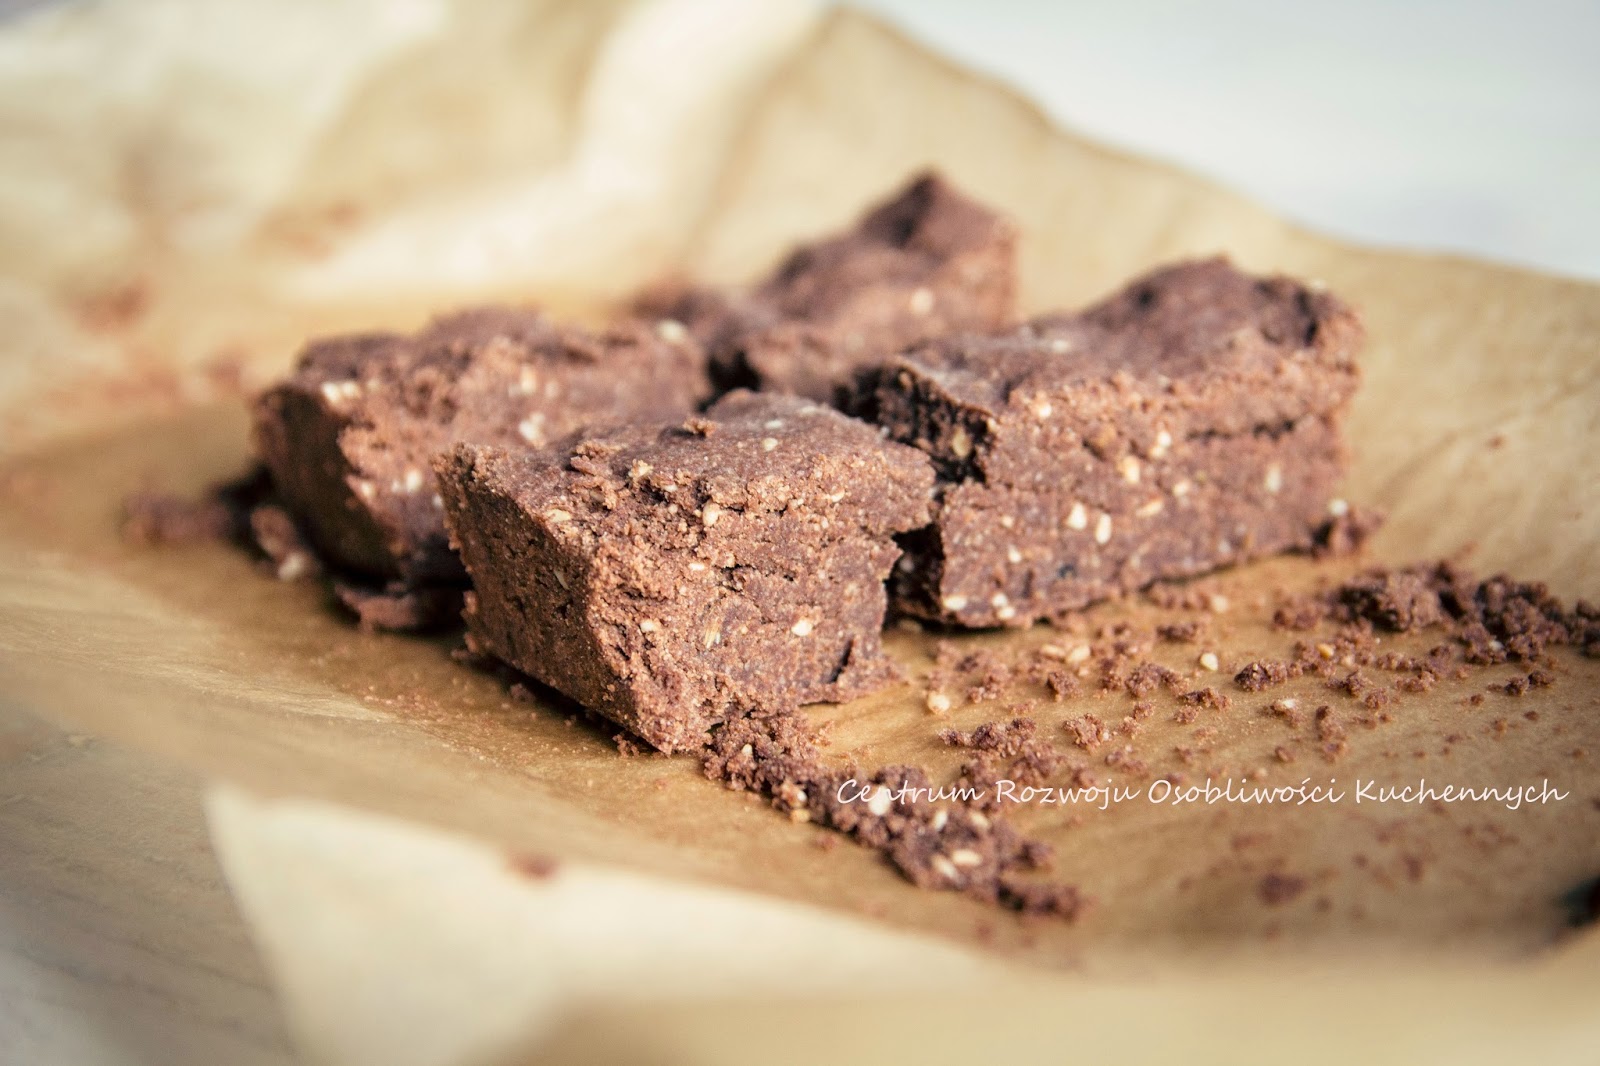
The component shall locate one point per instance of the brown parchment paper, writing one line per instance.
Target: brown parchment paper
(171, 228)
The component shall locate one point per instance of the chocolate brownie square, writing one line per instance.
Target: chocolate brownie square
(1188, 422)
(923, 263)
(350, 437)
(669, 576)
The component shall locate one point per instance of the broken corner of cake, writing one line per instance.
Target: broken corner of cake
(670, 575)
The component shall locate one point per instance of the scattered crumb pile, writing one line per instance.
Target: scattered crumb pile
(957, 836)
(941, 837)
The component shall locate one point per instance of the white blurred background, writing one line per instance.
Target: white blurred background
(1448, 125)
(1463, 126)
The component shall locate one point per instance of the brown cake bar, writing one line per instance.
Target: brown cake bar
(667, 577)
(926, 262)
(1188, 422)
(350, 437)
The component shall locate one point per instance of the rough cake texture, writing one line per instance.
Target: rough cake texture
(924, 263)
(1188, 422)
(350, 437)
(667, 577)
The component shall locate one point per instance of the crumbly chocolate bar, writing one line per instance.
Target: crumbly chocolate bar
(667, 577)
(349, 438)
(1188, 422)
(926, 262)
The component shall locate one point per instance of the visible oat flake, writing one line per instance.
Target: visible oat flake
(960, 443)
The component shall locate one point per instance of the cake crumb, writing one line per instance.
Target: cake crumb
(1276, 889)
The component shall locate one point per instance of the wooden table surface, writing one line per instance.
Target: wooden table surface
(119, 941)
